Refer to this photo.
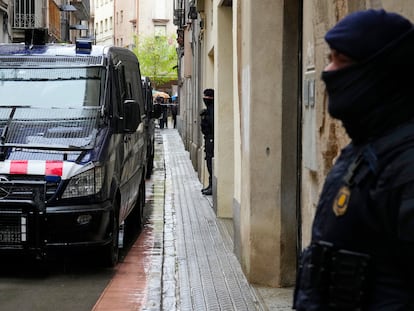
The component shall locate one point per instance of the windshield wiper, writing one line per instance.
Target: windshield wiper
(4, 134)
(7, 126)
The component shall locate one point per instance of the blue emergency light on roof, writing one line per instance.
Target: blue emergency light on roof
(83, 46)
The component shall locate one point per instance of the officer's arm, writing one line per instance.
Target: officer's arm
(405, 220)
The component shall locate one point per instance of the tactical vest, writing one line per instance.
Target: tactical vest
(362, 231)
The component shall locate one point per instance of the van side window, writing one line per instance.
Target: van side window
(114, 99)
(122, 82)
(133, 78)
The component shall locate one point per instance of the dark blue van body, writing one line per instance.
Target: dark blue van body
(72, 148)
(150, 123)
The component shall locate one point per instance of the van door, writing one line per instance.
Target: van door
(133, 141)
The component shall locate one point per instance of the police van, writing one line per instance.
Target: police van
(72, 148)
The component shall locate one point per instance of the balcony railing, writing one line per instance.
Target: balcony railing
(26, 14)
(24, 20)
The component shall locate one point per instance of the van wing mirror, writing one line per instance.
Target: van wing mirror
(132, 115)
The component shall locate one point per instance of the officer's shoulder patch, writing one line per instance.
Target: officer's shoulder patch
(341, 201)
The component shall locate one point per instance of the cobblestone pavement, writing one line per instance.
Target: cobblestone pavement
(193, 266)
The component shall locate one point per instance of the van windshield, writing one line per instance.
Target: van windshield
(50, 87)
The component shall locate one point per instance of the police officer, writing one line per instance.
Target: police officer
(207, 128)
(361, 256)
(158, 109)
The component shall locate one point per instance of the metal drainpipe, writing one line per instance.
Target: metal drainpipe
(299, 134)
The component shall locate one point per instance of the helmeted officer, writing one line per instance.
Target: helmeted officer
(207, 128)
(361, 256)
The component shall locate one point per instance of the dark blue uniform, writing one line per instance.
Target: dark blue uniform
(362, 251)
(207, 128)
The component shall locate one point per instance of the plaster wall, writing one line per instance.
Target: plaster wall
(268, 141)
(223, 108)
(237, 35)
(237, 181)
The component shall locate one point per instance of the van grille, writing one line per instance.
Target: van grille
(12, 228)
(27, 188)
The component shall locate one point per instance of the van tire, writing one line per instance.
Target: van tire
(111, 250)
(135, 220)
(150, 165)
(142, 194)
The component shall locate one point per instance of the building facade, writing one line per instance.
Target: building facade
(156, 18)
(53, 20)
(122, 22)
(274, 141)
(104, 22)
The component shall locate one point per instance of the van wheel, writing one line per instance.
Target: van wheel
(141, 203)
(111, 251)
(150, 166)
(135, 220)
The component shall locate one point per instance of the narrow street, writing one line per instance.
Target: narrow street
(188, 261)
(182, 260)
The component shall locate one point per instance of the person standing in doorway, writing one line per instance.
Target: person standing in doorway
(361, 253)
(174, 111)
(207, 128)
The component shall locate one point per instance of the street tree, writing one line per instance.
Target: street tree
(157, 57)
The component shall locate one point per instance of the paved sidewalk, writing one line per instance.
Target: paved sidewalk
(199, 269)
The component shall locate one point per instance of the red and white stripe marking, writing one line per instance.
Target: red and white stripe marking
(38, 167)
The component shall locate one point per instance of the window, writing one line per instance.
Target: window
(24, 14)
(160, 30)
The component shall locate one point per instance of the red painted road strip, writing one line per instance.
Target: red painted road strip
(127, 291)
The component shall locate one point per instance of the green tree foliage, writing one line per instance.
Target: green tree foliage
(158, 58)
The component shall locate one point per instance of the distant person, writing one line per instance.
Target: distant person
(174, 111)
(164, 113)
(207, 128)
(158, 109)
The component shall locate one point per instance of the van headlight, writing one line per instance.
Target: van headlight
(86, 183)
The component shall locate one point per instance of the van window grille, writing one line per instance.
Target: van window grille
(48, 127)
(56, 61)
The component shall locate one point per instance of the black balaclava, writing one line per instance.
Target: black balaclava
(208, 101)
(208, 97)
(375, 94)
